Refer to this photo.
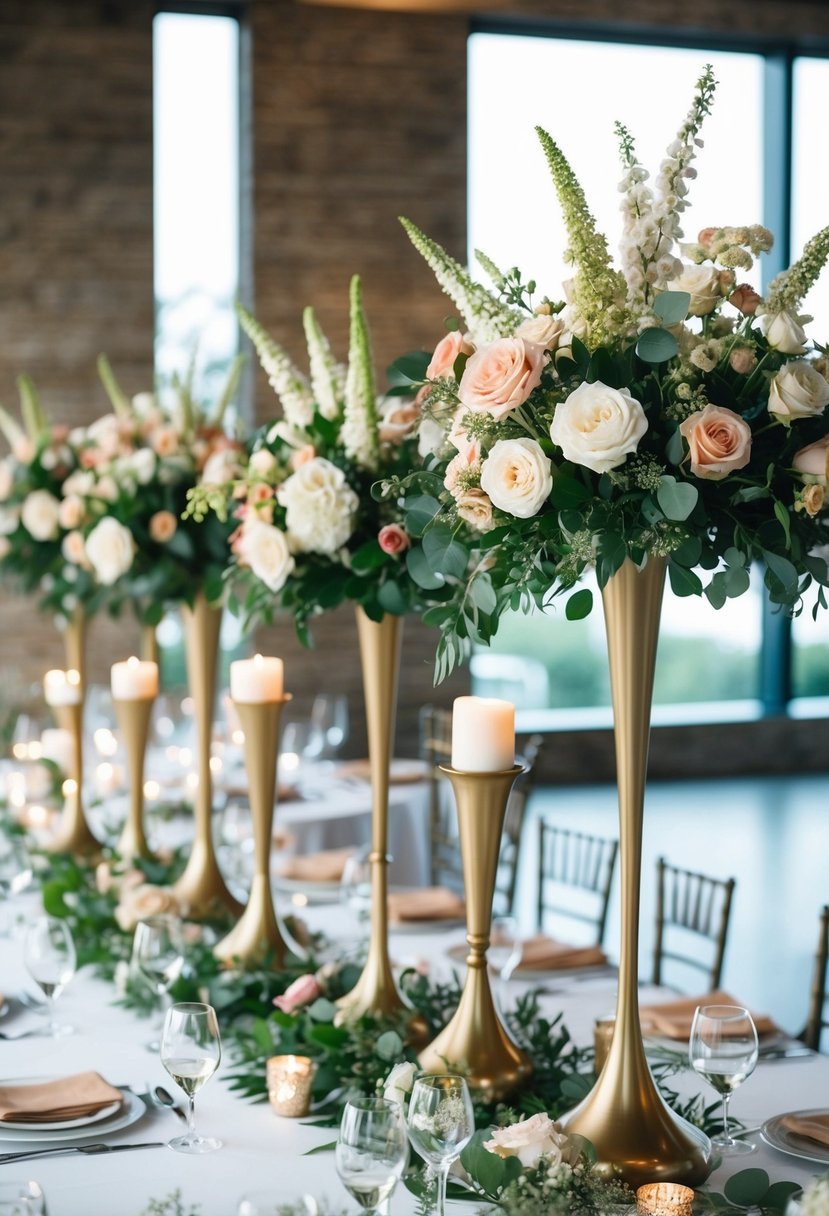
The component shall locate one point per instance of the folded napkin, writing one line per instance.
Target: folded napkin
(542, 953)
(402, 772)
(73, 1097)
(325, 866)
(430, 903)
(809, 1127)
(673, 1020)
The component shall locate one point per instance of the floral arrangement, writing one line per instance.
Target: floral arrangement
(664, 409)
(815, 1198)
(310, 535)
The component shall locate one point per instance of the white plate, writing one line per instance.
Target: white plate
(127, 1113)
(781, 1138)
(65, 1124)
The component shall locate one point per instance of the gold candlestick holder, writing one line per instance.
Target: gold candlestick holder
(201, 890)
(133, 718)
(74, 834)
(257, 933)
(476, 1040)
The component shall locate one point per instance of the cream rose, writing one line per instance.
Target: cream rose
(784, 332)
(812, 462)
(475, 508)
(517, 476)
(265, 549)
(542, 329)
(5, 546)
(798, 391)
(137, 903)
(398, 420)
(110, 550)
(39, 515)
(442, 365)
(500, 377)
(399, 1082)
(262, 462)
(223, 465)
(71, 512)
(719, 441)
(704, 286)
(320, 507)
(597, 426)
(73, 549)
(531, 1139)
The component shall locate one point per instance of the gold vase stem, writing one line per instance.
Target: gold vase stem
(74, 643)
(74, 834)
(150, 650)
(133, 717)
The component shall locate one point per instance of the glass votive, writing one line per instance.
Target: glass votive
(664, 1199)
(602, 1038)
(289, 1084)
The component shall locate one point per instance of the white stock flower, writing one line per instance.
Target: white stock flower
(109, 550)
(320, 507)
(517, 476)
(597, 426)
(399, 1082)
(39, 515)
(784, 332)
(430, 437)
(265, 549)
(798, 391)
(703, 285)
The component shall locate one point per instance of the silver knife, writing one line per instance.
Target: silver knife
(87, 1149)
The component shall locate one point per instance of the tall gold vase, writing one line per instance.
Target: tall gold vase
(257, 934)
(73, 834)
(476, 1040)
(624, 1116)
(133, 717)
(376, 991)
(74, 643)
(201, 888)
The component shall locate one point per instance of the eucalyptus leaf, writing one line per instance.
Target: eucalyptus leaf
(747, 1188)
(389, 1045)
(684, 582)
(420, 511)
(392, 598)
(579, 605)
(676, 498)
(672, 306)
(656, 346)
(421, 572)
(444, 553)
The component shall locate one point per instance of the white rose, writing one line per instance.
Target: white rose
(262, 462)
(81, 482)
(9, 519)
(430, 439)
(703, 285)
(399, 1082)
(39, 515)
(71, 512)
(597, 426)
(141, 464)
(530, 1140)
(73, 549)
(105, 488)
(105, 433)
(784, 332)
(545, 330)
(110, 549)
(223, 465)
(517, 476)
(798, 391)
(6, 478)
(320, 507)
(265, 549)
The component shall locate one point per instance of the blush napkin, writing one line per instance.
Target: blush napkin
(84, 1093)
(542, 953)
(673, 1020)
(809, 1127)
(428, 904)
(325, 866)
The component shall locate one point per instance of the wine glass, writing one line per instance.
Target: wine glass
(329, 713)
(372, 1150)
(355, 885)
(441, 1123)
(300, 747)
(49, 957)
(21, 1198)
(15, 874)
(504, 953)
(723, 1049)
(158, 954)
(190, 1051)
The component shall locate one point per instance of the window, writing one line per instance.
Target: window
(711, 664)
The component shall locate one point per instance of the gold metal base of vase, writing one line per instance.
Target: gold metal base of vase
(133, 717)
(635, 1134)
(257, 934)
(476, 1042)
(201, 890)
(74, 834)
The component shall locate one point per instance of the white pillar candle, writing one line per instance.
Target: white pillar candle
(58, 746)
(134, 680)
(62, 687)
(256, 680)
(483, 735)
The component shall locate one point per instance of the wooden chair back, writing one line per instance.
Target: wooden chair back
(818, 1019)
(691, 907)
(575, 874)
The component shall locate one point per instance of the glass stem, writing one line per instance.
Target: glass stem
(726, 1098)
(191, 1115)
(443, 1174)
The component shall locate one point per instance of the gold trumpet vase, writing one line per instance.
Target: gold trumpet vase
(257, 933)
(133, 717)
(201, 890)
(476, 1041)
(74, 834)
(376, 992)
(635, 1134)
(74, 643)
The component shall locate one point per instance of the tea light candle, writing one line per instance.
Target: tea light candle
(62, 687)
(134, 680)
(257, 680)
(289, 1084)
(665, 1199)
(483, 735)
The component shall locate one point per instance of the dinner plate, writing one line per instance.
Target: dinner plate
(64, 1124)
(125, 1114)
(781, 1138)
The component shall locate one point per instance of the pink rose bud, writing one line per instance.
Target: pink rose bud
(393, 539)
(301, 992)
(706, 235)
(745, 299)
(446, 352)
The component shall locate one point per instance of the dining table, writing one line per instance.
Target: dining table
(263, 1151)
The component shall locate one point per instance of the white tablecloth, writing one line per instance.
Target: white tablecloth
(263, 1151)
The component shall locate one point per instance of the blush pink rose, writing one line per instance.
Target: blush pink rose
(446, 352)
(745, 299)
(303, 455)
(393, 539)
(719, 441)
(812, 462)
(301, 992)
(500, 377)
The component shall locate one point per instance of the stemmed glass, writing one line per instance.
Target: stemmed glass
(329, 713)
(21, 1198)
(355, 885)
(15, 875)
(723, 1049)
(441, 1123)
(504, 953)
(372, 1151)
(190, 1051)
(50, 959)
(158, 954)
